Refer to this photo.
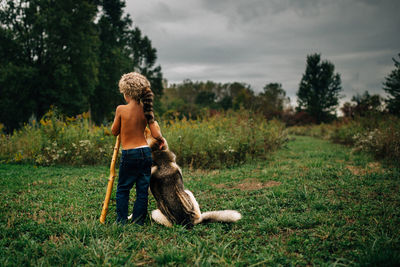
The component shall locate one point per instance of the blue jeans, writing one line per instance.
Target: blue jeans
(135, 167)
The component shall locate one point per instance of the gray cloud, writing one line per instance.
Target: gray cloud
(257, 41)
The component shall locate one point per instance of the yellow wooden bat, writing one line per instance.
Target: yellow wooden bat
(110, 181)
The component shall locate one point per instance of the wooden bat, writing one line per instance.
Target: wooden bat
(110, 181)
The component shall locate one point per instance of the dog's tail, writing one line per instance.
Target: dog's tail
(221, 216)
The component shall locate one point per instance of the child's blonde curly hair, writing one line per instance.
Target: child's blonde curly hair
(133, 84)
(137, 87)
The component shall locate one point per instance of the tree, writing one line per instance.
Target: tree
(144, 58)
(57, 53)
(271, 102)
(113, 59)
(347, 110)
(242, 95)
(122, 50)
(226, 102)
(319, 89)
(205, 99)
(70, 66)
(364, 105)
(392, 87)
(48, 57)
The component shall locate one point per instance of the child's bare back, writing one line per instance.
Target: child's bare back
(130, 123)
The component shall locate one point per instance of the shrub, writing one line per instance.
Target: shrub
(223, 140)
(378, 134)
(344, 133)
(382, 141)
(58, 140)
(220, 141)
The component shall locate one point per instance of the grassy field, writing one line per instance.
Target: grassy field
(311, 203)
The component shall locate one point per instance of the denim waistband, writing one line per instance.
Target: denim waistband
(135, 152)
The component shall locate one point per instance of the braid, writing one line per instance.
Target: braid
(147, 99)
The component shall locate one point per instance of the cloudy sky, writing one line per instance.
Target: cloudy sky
(263, 41)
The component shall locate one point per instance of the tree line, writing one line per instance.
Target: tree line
(192, 99)
(69, 54)
(317, 97)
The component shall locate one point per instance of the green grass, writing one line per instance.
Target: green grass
(326, 206)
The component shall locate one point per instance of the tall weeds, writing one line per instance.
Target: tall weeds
(56, 139)
(220, 141)
(223, 140)
(378, 134)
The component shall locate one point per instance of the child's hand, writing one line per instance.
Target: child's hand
(162, 143)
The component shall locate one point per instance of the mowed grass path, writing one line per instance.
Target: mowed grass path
(311, 203)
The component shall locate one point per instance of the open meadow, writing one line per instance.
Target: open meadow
(285, 111)
(310, 203)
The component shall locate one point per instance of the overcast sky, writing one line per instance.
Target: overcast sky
(263, 41)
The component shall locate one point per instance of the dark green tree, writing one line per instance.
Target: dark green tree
(68, 54)
(363, 105)
(366, 104)
(70, 64)
(49, 57)
(144, 57)
(16, 72)
(392, 87)
(122, 50)
(18, 52)
(187, 91)
(348, 110)
(205, 99)
(242, 95)
(272, 100)
(113, 59)
(226, 102)
(319, 89)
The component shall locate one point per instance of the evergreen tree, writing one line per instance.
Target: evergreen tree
(392, 87)
(319, 89)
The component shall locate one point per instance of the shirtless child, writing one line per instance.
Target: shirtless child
(130, 122)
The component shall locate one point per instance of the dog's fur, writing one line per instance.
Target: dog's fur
(175, 204)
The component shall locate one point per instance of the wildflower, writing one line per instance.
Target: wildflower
(85, 115)
(18, 157)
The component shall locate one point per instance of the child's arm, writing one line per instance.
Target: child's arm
(116, 126)
(155, 130)
(156, 133)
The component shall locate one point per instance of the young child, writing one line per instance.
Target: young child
(130, 122)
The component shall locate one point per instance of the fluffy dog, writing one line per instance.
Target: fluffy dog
(175, 204)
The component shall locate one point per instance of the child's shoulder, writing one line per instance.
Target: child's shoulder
(121, 107)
